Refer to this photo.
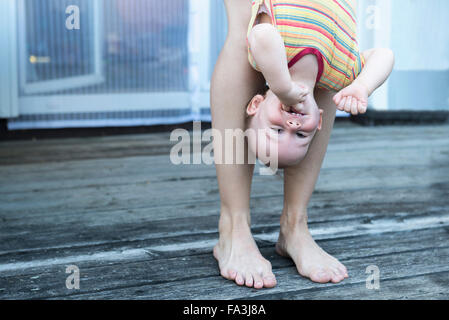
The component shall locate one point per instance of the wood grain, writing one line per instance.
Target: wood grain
(139, 227)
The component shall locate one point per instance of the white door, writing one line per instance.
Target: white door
(60, 45)
(139, 62)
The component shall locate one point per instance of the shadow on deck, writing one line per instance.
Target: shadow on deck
(138, 227)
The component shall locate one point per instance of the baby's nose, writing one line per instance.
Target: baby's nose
(294, 124)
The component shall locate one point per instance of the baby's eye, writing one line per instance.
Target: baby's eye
(299, 134)
(278, 130)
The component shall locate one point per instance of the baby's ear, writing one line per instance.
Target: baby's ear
(254, 105)
(321, 119)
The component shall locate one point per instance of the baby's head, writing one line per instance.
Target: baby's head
(289, 129)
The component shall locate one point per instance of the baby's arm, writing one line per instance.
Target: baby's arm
(267, 49)
(378, 66)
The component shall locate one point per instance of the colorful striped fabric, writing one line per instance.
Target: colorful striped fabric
(326, 28)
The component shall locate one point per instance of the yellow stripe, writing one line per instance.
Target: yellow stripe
(305, 35)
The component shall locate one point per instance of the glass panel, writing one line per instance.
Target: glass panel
(53, 51)
(146, 45)
(143, 42)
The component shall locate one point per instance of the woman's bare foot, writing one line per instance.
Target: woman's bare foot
(311, 261)
(240, 260)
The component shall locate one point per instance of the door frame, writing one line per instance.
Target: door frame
(9, 92)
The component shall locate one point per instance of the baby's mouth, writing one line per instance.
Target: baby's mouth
(293, 112)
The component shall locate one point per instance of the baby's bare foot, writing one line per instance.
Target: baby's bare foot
(240, 260)
(311, 261)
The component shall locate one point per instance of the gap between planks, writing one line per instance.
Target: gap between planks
(375, 227)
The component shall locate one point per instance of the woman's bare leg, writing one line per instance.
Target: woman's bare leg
(295, 240)
(233, 84)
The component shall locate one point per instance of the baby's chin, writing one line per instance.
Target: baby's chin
(285, 163)
(283, 159)
(290, 156)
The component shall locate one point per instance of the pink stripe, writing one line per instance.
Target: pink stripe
(352, 18)
(273, 19)
(321, 13)
(319, 58)
(320, 30)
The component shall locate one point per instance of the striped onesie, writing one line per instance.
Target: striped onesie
(325, 28)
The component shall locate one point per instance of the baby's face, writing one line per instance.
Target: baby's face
(290, 129)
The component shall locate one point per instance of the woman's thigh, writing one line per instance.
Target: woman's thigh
(234, 81)
(233, 84)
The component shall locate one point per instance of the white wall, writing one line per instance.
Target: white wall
(418, 33)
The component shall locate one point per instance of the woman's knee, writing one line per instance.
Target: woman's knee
(239, 15)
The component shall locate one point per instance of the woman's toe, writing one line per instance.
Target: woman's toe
(249, 280)
(258, 282)
(239, 279)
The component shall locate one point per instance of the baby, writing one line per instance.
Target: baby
(300, 45)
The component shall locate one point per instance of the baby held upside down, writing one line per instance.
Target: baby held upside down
(300, 45)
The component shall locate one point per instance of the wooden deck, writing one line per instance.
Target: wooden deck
(139, 227)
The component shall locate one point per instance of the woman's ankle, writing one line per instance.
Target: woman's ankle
(292, 220)
(234, 222)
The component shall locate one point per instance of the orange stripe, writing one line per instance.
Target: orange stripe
(326, 58)
(273, 18)
(329, 49)
(349, 26)
(319, 30)
(320, 38)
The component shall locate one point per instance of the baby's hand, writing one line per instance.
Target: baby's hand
(297, 94)
(352, 99)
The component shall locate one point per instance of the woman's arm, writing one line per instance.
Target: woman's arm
(267, 49)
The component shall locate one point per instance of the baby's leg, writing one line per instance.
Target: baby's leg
(233, 84)
(295, 240)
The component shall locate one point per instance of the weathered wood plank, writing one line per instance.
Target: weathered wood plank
(168, 279)
(136, 270)
(391, 266)
(15, 152)
(82, 148)
(403, 199)
(432, 286)
(381, 198)
(134, 170)
(61, 233)
(147, 194)
(402, 139)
